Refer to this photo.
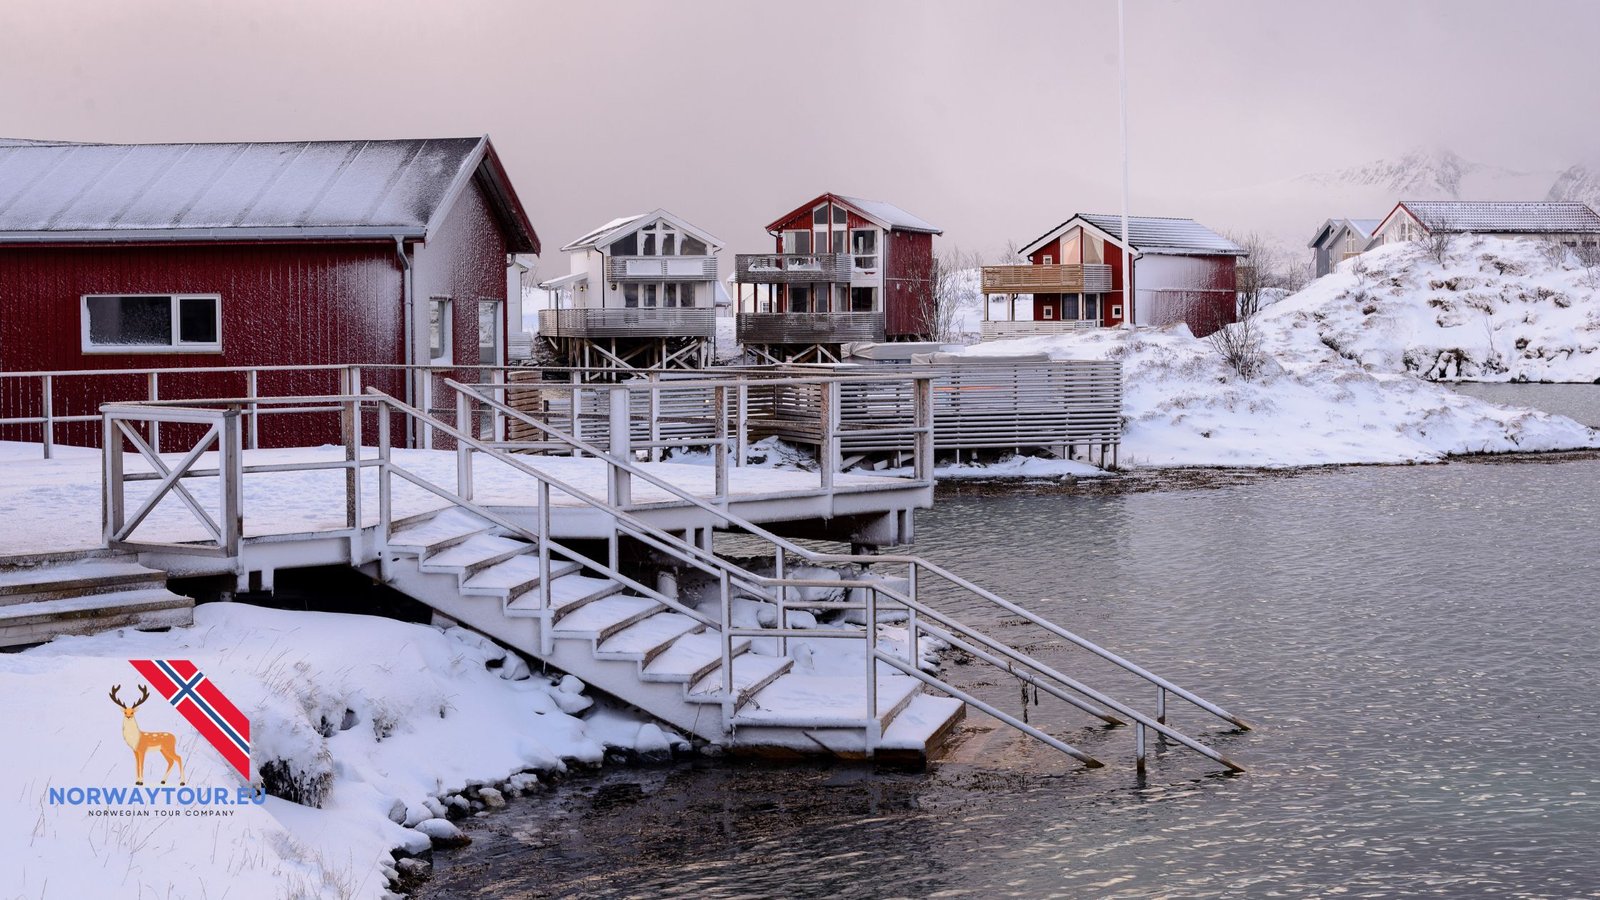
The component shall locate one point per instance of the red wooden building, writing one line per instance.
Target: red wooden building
(1182, 271)
(844, 269)
(152, 256)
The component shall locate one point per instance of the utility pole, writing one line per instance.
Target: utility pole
(1127, 249)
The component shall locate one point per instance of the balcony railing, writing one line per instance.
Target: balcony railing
(602, 323)
(1089, 278)
(792, 268)
(999, 331)
(661, 268)
(810, 328)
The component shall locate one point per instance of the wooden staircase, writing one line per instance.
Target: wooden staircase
(643, 652)
(82, 595)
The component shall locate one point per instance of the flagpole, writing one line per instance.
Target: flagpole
(1127, 249)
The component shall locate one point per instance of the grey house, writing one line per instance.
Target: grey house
(1340, 239)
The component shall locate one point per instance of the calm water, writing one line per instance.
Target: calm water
(1418, 645)
(1578, 401)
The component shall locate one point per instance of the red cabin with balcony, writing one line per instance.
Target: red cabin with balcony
(1181, 271)
(843, 269)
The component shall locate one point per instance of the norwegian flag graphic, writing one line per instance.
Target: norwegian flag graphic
(198, 700)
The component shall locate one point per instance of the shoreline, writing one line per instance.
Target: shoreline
(1181, 478)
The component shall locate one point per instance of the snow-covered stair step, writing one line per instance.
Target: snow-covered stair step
(691, 657)
(514, 577)
(919, 726)
(648, 638)
(751, 673)
(41, 620)
(604, 617)
(568, 593)
(474, 554)
(808, 700)
(76, 578)
(446, 529)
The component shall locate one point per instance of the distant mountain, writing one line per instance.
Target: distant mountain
(1430, 174)
(1580, 183)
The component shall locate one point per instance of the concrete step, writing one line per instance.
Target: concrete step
(648, 638)
(75, 578)
(41, 620)
(605, 617)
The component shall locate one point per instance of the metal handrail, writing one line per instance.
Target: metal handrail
(915, 565)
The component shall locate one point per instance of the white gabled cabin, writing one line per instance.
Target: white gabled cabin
(641, 294)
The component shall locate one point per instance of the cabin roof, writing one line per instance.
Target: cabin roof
(328, 190)
(1149, 234)
(1512, 217)
(879, 212)
(619, 228)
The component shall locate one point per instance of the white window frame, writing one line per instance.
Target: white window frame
(447, 330)
(176, 346)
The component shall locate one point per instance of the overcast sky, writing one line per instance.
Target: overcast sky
(992, 119)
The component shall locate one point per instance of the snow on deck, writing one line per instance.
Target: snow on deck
(49, 506)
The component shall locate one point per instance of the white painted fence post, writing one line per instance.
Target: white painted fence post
(620, 484)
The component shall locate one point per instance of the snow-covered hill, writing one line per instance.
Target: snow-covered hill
(1496, 310)
(1580, 183)
(1344, 381)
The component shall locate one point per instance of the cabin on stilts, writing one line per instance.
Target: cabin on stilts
(844, 270)
(640, 294)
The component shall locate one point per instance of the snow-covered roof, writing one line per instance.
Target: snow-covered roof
(887, 215)
(1511, 217)
(1363, 227)
(879, 212)
(567, 280)
(256, 191)
(1149, 234)
(618, 228)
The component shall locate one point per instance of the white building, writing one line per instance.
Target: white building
(641, 293)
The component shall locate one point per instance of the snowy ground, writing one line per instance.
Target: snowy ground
(386, 723)
(1184, 407)
(1495, 310)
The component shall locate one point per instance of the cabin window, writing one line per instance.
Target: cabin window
(630, 296)
(864, 247)
(676, 294)
(861, 299)
(439, 329)
(628, 246)
(1091, 307)
(148, 323)
(1049, 311)
(797, 242)
(648, 294)
(1049, 260)
(819, 216)
(693, 246)
(1069, 306)
(1094, 249)
(1116, 311)
(1071, 248)
(799, 298)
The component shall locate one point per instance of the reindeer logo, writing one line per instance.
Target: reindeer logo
(142, 742)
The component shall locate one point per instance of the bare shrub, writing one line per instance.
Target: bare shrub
(1240, 347)
(1436, 246)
